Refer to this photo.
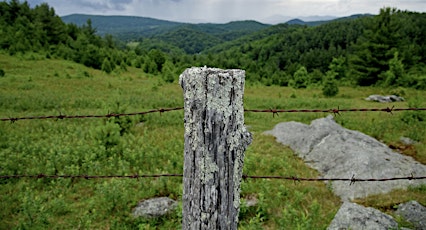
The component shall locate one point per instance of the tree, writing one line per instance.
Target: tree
(168, 75)
(315, 77)
(49, 24)
(158, 58)
(337, 65)
(396, 75)
(372, 50)
(300, 78)
(330, 88)
(149, 66)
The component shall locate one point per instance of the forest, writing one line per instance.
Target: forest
(386, 50)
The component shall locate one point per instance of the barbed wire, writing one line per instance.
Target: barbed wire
(61, 116)
(352, 180)
(135, 176)
(334, 111)
(273, 111)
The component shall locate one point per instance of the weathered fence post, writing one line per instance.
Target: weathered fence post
(215, 141)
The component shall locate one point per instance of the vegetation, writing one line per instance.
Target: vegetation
(153, 144)
(384, 50)
(49, 67)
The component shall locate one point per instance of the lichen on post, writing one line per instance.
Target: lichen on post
(215, 141)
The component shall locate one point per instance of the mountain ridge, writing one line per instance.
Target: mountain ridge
(192, 38)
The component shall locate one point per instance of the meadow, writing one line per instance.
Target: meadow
(153, 144)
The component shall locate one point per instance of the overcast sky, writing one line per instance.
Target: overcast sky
(220, 11)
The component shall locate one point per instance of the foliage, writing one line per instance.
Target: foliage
(300, 78)
(106, 66)
(153, 144)
(330, 88)
(384, 50)
(388, 33)
(396, 76)
(158, 58)
(39, 29)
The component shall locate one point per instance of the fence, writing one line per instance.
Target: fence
(208, 111)
(274, 112)
(164, 110)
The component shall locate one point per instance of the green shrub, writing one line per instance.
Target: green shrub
(106, 66)
(300, 78)
(330, 88)
(2, 73)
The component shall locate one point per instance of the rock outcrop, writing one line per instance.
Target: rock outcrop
(337, 152)
(354, 216)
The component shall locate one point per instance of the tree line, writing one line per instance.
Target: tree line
(383, 50)
(40, 30)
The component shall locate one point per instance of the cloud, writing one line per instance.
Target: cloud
(116, 5)
(269, 11)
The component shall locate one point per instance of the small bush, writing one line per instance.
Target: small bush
(330, 88)
(2, 73)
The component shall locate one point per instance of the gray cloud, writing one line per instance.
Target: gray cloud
(270, 11)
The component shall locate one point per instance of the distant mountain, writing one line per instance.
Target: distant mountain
(188, 37)
(123, 25)
(310, 23)
(298, 21)
(133, 28)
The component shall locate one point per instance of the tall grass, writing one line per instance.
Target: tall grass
(153, 143)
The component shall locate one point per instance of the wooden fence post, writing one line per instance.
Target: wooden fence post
(215, 141)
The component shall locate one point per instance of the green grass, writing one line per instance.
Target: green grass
(153, 143)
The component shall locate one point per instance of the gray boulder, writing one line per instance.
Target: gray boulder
(414, 213)
(155, 207)
(337, 152)
(354, 216)
(384, 99)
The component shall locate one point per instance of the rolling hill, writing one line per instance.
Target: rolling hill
(133, 28)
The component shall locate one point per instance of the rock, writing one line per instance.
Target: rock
(250, 201)
(354, 216)
(384, 99)
(337, 152)
(407, 141)
(414, 213)
(155, 207)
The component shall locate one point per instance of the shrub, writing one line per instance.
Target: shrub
(300, 78)
(2, 73)
(330, 88)
(106, 66)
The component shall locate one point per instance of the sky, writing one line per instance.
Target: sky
(222, 11)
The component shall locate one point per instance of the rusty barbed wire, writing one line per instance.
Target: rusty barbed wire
(61, 116)
(334, 111)
(352, 180)
(273, 111)
(134, 176)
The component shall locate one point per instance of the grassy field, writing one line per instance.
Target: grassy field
(153, 143)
